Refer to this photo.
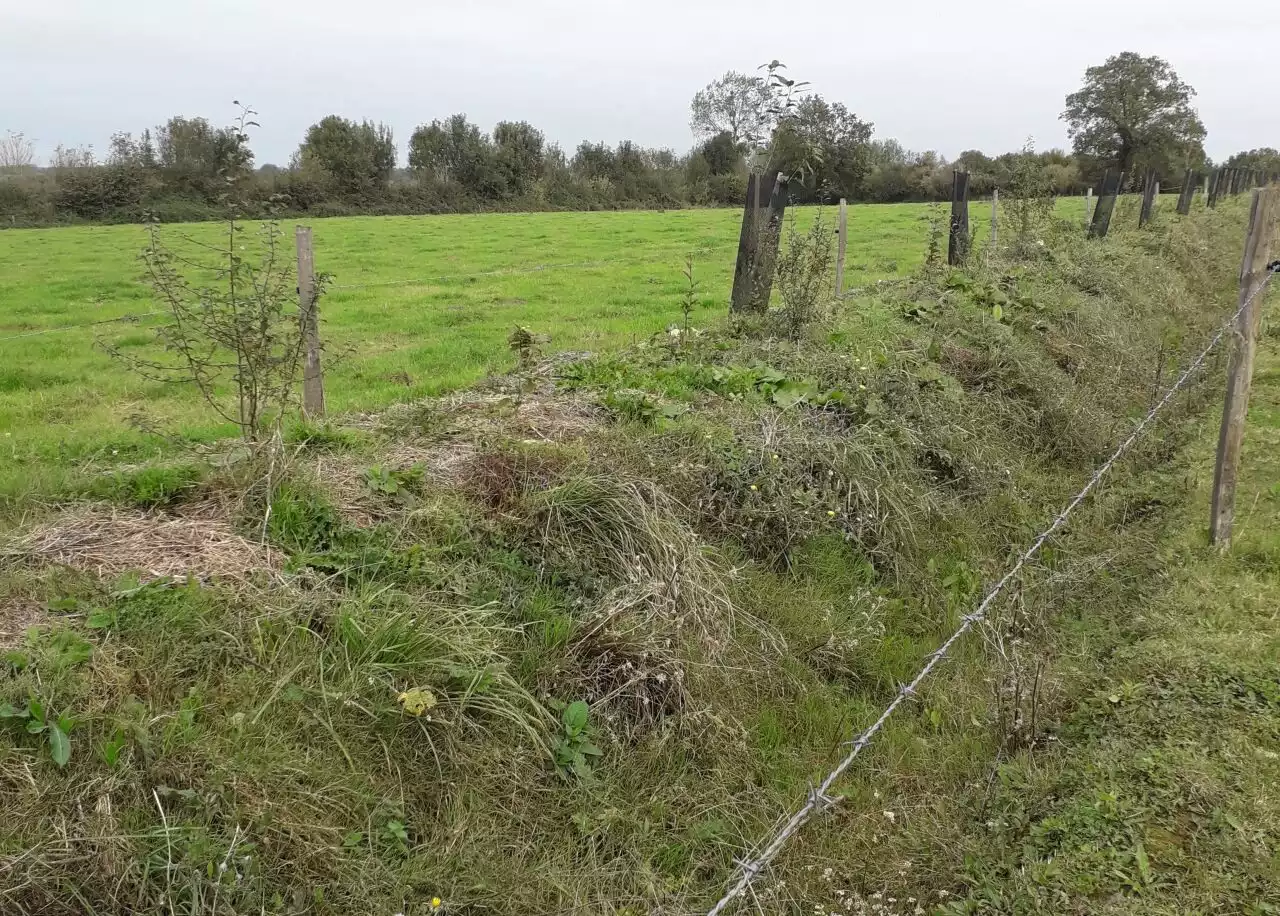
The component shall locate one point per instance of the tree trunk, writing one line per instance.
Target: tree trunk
(1126, 151)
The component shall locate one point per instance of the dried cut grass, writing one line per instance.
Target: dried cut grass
(544, 413)
(108, 542)
(344, 477)
(629, 531)
(17, 615)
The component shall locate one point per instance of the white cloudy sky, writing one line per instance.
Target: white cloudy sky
(933, 73)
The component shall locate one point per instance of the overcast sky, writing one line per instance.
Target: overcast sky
(935, 74)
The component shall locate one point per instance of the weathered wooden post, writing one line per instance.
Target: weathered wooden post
(1189, 180)
(1263, 212)
(995, 220)
(1111, 184)
(842, 244)
(1088, 204)
(757, 248)
(761, 288)
(958, 241)
(1150, 188)
(748, 237)
(309, 317)
(1211, 188)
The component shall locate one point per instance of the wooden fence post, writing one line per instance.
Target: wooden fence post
(1211, 189)
(1112, 182)
(747, 239)
(1088, 205)
(1188, 191)
(842, 244)
(958, 241)
(309, 316)
(1253, 270)
(995, 220)
(1150, 188)
(761, 280)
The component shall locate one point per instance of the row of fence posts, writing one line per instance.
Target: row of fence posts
(758, 249)
(761, 234)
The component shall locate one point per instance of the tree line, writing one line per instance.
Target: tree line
(1131, 113)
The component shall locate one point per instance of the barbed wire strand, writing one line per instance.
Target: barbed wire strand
(537, 268)
(488, 273)
(87, 324)
(819, 800)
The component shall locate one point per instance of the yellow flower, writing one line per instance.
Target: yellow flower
(754, 487)
(831, 513)
(436, 903)
(417, 701)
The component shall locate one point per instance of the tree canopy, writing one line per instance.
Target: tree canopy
(1266, 160)
(1134, 113)
(735, 104)
(824, 144)
(354, 158)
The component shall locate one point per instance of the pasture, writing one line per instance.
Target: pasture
(419, 306)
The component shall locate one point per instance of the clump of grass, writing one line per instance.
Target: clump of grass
(626, 533)
(148, 487)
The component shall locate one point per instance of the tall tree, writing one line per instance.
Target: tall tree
(594, 160)
(455, 150)
(826, 144)
(354, 158)
(518, 148)
(1134, 112)
(16, 151)
(192, 153)
(736, 104)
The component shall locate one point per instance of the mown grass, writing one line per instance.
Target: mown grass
(733, 546)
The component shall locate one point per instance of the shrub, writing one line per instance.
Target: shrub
(804, 279)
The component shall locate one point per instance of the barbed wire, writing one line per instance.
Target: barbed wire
(353, 286)
(818, 799)
(87, 324)
(536, 268)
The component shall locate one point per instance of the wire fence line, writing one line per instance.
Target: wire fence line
(819, 799)
(88, 324)
(538, 268)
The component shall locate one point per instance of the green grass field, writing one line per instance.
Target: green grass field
(609, 279)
